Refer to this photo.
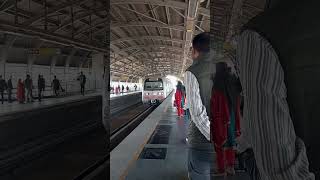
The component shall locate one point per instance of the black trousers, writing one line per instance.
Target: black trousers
(9, 95)
(56, 92)
(39, 94)
(2, 99)
(82, 89)
(247, 161)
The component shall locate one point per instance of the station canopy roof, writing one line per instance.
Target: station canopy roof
(147, 37)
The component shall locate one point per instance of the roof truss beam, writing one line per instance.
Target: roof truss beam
(162, 38)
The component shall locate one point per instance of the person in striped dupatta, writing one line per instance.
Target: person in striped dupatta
(267, 125)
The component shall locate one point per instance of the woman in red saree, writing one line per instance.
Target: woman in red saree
(20, 92)
(225, 125)
(179, 98)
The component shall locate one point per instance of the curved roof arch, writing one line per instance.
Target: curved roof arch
(143, 28)
(150, 47)
(137, 38)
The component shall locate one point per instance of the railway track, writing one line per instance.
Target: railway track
(77, 153)
(118, 133)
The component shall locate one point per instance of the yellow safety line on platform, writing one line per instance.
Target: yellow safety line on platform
(136, 155)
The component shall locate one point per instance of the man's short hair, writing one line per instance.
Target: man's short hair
(201, 42)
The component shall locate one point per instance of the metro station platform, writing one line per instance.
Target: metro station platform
(14, 107)
(123, 94)
(156, 149)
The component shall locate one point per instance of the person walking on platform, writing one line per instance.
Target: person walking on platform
(3, 87)
(225, 125)
(56, 86)
(20, 92)
(122, 89)
(135, 87)
(183, 101)
(279, 72)
(82, 79)
(127, 88)
(9, 90)
(198, 84)
(41, 86)
(29, 86)
(116, 90)
(179, 99)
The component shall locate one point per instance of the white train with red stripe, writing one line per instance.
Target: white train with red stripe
(155, 90)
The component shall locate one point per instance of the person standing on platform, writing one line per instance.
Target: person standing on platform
(198, 83)
(20, 92)
(122, 89)
(3, 87)
(9, 90)
(179, 98)
(82, 79)
(41, 86)
(128, 88)
(56, 86)
(116, 90)
(279, 73)
(29, 86)
(225, 125)
(135, 87)
(183, 101)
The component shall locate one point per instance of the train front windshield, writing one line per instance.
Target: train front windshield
(153, 85)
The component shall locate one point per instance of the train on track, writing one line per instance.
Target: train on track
(155, 90)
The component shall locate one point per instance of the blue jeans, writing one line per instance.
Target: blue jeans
(200, 163)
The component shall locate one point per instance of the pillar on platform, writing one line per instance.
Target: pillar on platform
(52, 67)
(31, 59)
(98, 69)
(2, 68)
(107, 78)
(141, 80)
(3, 60)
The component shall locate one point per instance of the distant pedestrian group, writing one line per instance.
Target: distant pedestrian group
(24, 89)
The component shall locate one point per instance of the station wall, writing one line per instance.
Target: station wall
(68, 77)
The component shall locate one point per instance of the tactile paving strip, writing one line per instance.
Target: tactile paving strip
(165, 122)
(160, 135)
(153, 153)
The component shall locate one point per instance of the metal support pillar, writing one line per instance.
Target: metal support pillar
(52, 67)
(97, 69)
(66, 68)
